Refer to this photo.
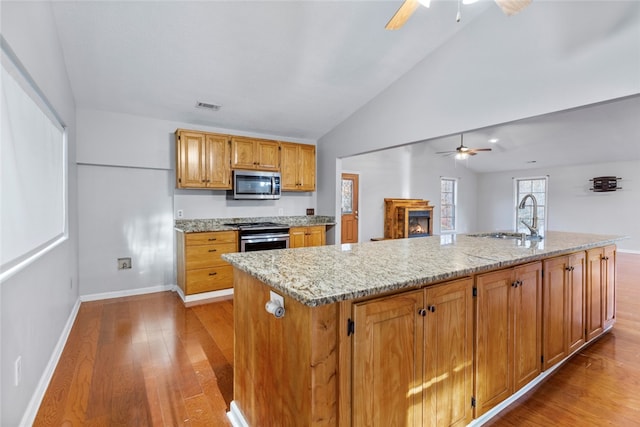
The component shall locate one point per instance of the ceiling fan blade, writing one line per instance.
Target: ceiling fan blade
(404, 12)
(479, 149)
(446, 152)
(511, 7)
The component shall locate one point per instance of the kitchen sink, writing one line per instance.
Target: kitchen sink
(506, 235)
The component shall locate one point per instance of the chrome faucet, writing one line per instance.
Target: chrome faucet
(533, 228)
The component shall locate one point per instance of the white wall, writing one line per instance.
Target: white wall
(37, 302)
(411, 171)
(571, 206)
(128, 200)
(511, 79)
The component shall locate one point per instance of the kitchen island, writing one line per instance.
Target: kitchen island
(357, 342)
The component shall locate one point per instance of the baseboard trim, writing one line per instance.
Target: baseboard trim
(235, 416)
(30, 413)
(204, 297)
(629, 251)
(127, 293)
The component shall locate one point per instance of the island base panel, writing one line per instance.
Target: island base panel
(285, 369)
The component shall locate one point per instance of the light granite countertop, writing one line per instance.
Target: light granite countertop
(218, 224)
(327, 274)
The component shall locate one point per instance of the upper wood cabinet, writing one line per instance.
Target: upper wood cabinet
(298, 166)
(508, 334)
(563, 310)
(254, 153)
(202, 160)
(412, 358)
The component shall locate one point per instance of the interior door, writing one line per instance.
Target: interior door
(349, 208)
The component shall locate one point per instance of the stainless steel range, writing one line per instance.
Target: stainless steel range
(260, 236)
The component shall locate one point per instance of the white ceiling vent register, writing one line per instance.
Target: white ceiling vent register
(208, 106)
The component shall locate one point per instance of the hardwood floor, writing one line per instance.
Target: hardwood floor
(144, 361)
(149, 361)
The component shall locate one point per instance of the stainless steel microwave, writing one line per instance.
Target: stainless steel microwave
(254, 185)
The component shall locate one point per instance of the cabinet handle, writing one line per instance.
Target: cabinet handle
(516, 283)
(213, 274)
(213, 250)
(422, 312)
(605, 258)
(212, 239)
(570, 268)
(432, 308)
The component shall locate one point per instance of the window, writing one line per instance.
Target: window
(33, 161)
(448, 200)
(537, 187)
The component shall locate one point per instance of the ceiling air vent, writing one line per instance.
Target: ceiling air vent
(207, 106)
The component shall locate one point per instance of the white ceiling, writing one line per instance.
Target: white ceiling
(299, 68)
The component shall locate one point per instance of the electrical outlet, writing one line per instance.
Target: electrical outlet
(280, 211)
(124, 263)
(17, 371)
(180, 213)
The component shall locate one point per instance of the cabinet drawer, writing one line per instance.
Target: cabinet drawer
(205, 256)
(210, 238)
(209, 279)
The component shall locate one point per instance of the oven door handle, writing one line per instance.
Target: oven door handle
(264, 238)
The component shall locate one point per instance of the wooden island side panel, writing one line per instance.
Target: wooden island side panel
(285, 370)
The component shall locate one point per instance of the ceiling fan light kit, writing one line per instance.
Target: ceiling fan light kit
(463, 152)
(406, 9)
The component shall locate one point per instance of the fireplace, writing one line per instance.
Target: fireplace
(419, 223)
(407, 218)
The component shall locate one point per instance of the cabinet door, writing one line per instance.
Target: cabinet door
(297, 237)
(218, 159)
(267, 155)
(494, 350)
(191, 160)
(526, 304)
(448, 378)
(609, 285)
(289, 166)
(387, 362)
(554, 346)
(307, 168)
(242, 153)
(575, 302)
(594, 312)
(316, 235)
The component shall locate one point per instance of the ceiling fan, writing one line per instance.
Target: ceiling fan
(463, 152)
(509, 7)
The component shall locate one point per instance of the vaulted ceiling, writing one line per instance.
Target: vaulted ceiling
(299, 68)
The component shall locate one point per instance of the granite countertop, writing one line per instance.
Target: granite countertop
(218, 224)
(327, 274)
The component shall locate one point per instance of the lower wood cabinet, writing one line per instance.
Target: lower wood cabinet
(199, 262)
(563, 311)
(508, 333)
(412, 358)
(302, 237)
(600, 290)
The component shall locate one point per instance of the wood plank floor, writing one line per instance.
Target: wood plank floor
(149, 361)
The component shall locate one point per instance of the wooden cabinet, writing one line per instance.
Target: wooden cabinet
(298, 166)
(254, 153)
(202, 160)
(200, 266)
(302, 237)
(412, 358)
(508, 332)
(563, 311)
(600, 290)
